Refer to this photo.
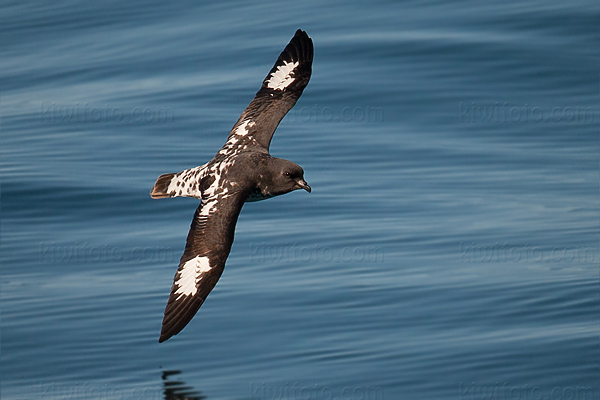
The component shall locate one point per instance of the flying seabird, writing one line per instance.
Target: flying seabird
(242, 171)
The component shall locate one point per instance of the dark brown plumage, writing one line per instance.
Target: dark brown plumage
(242, 171)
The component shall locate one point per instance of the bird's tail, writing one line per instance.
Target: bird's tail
(185, 184)
(161, 187)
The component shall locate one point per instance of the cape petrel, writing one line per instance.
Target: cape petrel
(242, 171)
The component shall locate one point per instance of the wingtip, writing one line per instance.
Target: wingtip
(302, 36)
(300, 48)
(165, 335)
(300, 32)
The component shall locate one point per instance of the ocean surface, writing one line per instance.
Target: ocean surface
(449, 249)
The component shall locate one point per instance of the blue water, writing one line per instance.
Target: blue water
(449, 249)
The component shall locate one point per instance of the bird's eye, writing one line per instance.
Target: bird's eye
(287, 174)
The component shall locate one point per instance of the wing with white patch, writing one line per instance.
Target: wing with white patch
(185, 183)
(201, 265)
(280, 90)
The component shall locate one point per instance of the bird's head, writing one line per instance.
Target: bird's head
(285, 176)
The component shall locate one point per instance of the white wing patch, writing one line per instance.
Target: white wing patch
(217, 190)
(281, 78)
(190, 275)
(242, 130)
(185, 183)
(232, 146)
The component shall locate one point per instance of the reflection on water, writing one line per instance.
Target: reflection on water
(178, 390)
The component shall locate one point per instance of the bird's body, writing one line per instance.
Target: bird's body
(242, 171)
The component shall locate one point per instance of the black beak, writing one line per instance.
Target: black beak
(303, 185)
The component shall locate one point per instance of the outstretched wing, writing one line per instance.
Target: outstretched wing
(279, 92)
(202, 263)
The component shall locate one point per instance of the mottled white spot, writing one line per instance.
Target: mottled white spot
(242, 130)
(281, 78)
(190, 274)
(184, 182)
(235, 136)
